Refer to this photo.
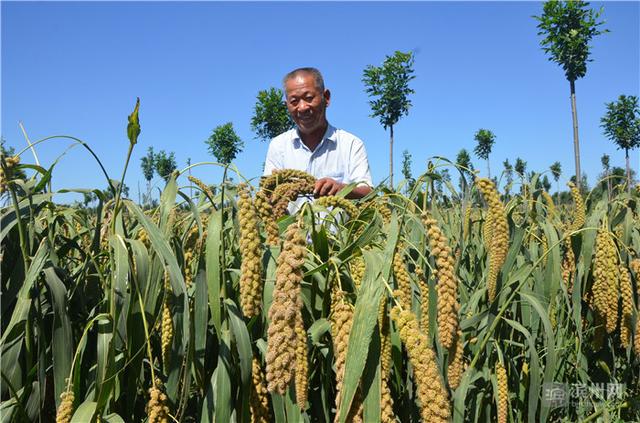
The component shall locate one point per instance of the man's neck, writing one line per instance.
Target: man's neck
(314, 139)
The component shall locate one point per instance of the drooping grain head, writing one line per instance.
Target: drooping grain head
(434, 403)
(447, 281)
(503, 393)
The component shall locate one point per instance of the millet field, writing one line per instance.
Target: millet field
(434, 303)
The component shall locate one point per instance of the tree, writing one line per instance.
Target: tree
(406, 170)
(485, 139)
(521, 167)
(270, 115)
(621, 124)
(389, 87)
(508, 172)
(224, 144)
(556, 171)
(463, 161)
(546, 184)
(605, 159)
(148, 166)
(567, 28)
(165, 164)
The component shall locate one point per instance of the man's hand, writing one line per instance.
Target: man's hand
(327, 186)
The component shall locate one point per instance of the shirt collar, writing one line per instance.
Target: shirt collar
(330, 134)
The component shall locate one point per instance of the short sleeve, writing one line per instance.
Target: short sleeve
(359, 164)
(274, 158)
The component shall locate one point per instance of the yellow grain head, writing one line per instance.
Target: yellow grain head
(605, 279)
(285, 308)
(166, 334)
(7, 170)
(357, 267)
(343, 203)
(447, 286)
(499, 235)
(424, 302)
(259, 396)
(403, 281)
(203, 187)
(487, 230)
(503, 393)
(466, 222)
(579, 215)
(251, 252)
(626, 292)
(65, 409)
(302, 366)
(157, 409)
(267, 217)
(433, 397)
(341, 321)
(551, 207)
(568, 265)
(456, 362)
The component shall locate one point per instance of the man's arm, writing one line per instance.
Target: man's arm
(274, 158)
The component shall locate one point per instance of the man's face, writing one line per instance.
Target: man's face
(306, 103)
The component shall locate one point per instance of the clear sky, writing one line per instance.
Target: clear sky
(76, 68)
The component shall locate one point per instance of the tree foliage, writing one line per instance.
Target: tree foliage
(165, 164)
(224, 144)
(520, 167)
(406, 170)
(148, 164)
(485, 139)
(621, 123)
(567, 28)
(270, 115)
(389, 86)
(556, 170)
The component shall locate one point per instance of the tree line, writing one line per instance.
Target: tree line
(567, 28)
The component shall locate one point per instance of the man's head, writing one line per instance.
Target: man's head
(307, 99)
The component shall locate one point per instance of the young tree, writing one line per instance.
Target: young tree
(621, 124)
(606, 167)
(270, 115)
(224, 144)
(567, 27)
(521, 167)
(485, 139)
(463, 161)
(508, 172)
(389, 86)
(165, 164)
(546, 184)
(148, 166)
(406, 169)
(556, 171)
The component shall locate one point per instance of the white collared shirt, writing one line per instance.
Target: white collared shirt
(340, 156)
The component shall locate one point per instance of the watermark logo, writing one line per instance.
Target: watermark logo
(556, 394)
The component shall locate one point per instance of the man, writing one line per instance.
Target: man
(335, 157)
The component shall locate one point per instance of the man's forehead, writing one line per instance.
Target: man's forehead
(301, 82)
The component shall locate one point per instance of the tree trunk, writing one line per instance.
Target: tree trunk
(576, 142)
(488, 168)
(626, 155)
(391, 157)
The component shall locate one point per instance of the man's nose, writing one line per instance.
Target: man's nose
(303, 106)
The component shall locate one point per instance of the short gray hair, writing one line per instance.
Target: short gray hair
(317, 76)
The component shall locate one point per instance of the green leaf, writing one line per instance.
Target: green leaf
(61, 339)
(85, 412)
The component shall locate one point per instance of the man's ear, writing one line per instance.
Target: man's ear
(327, 97)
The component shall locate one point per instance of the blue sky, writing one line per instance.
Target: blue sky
(76, 68)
